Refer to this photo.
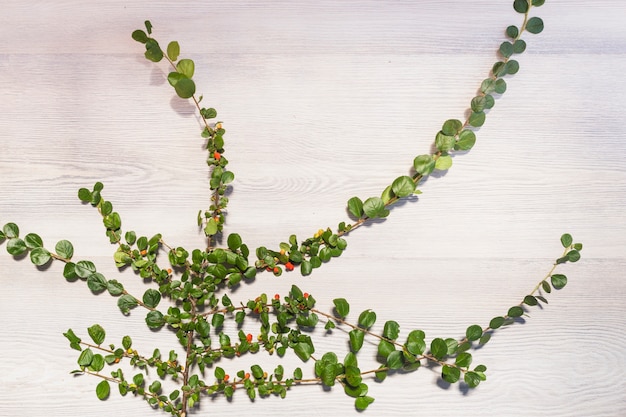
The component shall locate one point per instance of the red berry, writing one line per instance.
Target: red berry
(217, 155)
(289, 266)
(249, 338)
(305, 295)
(276, 297)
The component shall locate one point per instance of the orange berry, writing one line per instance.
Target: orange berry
(305, 295)
(289, 266)
(217, 155)
(264, 374)
(282, 251)
(276, 270)
(143, 252)
(276, 297)
(247, 376)
(169, 271)
(117, 360)
(249, 338)
(226, 377)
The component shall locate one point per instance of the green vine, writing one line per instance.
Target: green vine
(196, 283)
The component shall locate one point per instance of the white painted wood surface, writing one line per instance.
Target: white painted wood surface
(322, 101)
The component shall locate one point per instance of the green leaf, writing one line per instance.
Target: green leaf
(112, 221)
(474, 332)
(466, 141)
(512, 66)
(515, 311)
(450, 373)
(439, 348)
(355, 207)
(356, 339)
(395, 360)
(477, 119)
(521, 6)
(512, 32)
(443, 163)
(391, 330)
(97, 334)
(499, 69)
(33, 241)
(173, 50)
(373, 206)
(127, 342)
(69, 271)
(546, 287)
(367, 319)
(305, 267)
(403, 186)
(500, 86)
(530, 300)
(155, 387)
(228, 177)
(234, 241)
(185, 88)
(153, 51)
(11, 230)
(424, 164)
(84, 268)
(64, 249)
(472, 379)
(151, 298)
(115, 288)
(106, 208)
(385, 348)
(126, 302)
(40, 256)
(534, 25)
(97, 282)
(16, 246)
(297, 374)
(519, 46)
(444, 142)
(304, 350)
(103, 389)
(451, 127)
(387, 194)
(506, 49)
(74, 340)
(140, 36)
(538, 3)
(478, 104)
(219, 373)
(341, 307)
(355, 391)
(84, 195)
(463, 360)
(148, 26)
(573, 255)
(361, 403)
(496, 322)
(85, 357)
(211, 227)
(566, 240)
(558, 281)
(186, 67)
(488, 85)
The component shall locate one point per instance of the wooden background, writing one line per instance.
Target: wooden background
(324, 100)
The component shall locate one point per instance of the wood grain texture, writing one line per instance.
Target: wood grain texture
(322, 101)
